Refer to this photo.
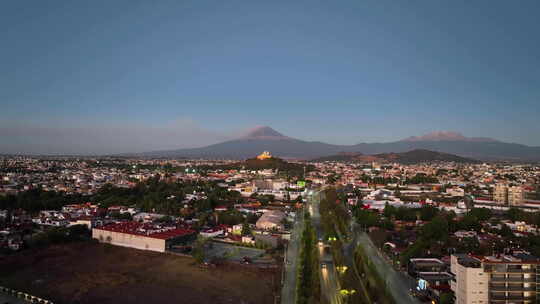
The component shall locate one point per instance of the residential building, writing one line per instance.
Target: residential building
(271, 220)
(516, 196)
(418, 265)
(500, 194)
(141, 236)
(502, 279)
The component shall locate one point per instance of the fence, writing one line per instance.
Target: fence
(24, 296)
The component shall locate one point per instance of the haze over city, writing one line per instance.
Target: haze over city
(135, 76)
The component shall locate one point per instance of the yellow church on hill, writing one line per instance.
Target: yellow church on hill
(264, 155)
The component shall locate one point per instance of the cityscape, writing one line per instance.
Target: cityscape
(369, 152)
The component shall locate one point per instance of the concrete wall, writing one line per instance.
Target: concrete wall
(129, 240)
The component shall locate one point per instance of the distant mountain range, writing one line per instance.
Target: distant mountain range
(267, 139)
(411, 157)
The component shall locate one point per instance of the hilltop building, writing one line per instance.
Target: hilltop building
(264, 155)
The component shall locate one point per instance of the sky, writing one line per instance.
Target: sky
(87, 77)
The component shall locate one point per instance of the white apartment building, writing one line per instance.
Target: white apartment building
(471, 283)
(505, 279)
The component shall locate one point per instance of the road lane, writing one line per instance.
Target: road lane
(288, 291)
(398, 283)
(329, 282)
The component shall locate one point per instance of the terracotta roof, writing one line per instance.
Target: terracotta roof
(146, 230)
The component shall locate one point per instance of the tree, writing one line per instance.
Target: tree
(470, 222)
(482, 214)
(435, 230)
(514, 214)
(198, 249)
(506, 231)
(331, 179)
(447, 298)
(389, 210)
(428, 212)
(366, 218)
(246, 229)
(406, 214)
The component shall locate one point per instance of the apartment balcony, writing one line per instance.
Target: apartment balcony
(521, 270)
(511, 288)
(498, 279)
(495, 297)
(515, 270)
(510, 279)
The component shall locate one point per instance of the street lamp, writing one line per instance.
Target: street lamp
(347, 292)
(341, 269)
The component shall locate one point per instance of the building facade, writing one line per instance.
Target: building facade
(500, 194)
(516, 196)
(504, 279)
(141, 236)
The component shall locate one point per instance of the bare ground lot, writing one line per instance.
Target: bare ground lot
(99, 273)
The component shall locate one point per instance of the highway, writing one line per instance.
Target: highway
(398, 283)
(328, 275)
(288, 292)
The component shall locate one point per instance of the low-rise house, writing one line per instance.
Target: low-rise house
(465, 234)
(235, 229)
(212, 232)
(418, 265)
(51, 221)
(142, 236)
(271, 220)
(433, 284)
(248, 240)
(147, 217)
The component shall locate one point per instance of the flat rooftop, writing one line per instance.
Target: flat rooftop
(435, 276)
(146, 230)
(427, 262)
(468, 261)
(516, 257)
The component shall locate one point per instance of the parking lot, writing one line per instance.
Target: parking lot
(232, 253)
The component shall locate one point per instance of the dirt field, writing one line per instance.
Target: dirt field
(98, 273)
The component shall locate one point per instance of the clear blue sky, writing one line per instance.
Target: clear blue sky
(121, 76)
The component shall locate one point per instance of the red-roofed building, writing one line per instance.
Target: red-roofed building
(142, 236)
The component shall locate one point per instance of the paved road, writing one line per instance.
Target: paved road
(288, 292)
(398, 283)
(329, 281)
(348, 253)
